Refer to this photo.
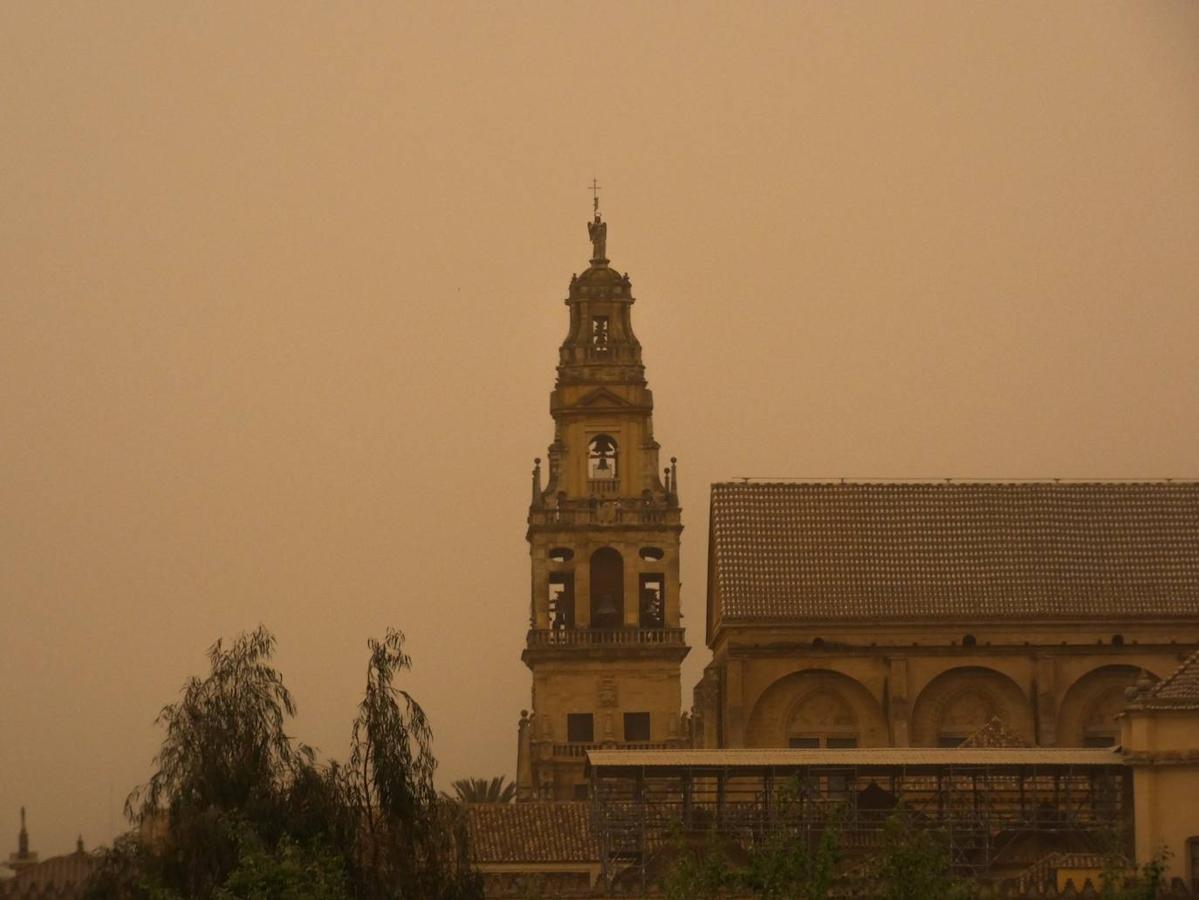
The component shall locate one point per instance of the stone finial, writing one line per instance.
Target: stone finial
(79, 844)
(537, 481)
(674, 476)
(23, 837)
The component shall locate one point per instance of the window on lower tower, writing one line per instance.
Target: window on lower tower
(580, 728)
(562, 600)
(652, 600)
(601, 458)
(636, 727)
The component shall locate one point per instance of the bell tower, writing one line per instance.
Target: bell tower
(605, 641)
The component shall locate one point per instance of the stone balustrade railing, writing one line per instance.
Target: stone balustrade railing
(603, 637)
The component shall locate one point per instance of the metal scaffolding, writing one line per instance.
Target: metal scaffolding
(980, 800)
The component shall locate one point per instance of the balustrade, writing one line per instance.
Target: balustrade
(579, 637)
(581, 749)
(615, 512)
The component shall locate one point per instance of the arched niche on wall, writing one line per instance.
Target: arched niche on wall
(1087, 713)
(961, 701)
(816, 708)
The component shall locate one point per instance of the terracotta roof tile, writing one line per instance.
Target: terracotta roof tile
(541, 831)
(993, 734)
(1044, 871)
(57, 876)
(921, 550)
(1179, 690)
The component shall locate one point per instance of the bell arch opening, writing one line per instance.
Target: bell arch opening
(602, 457)
(607, 588)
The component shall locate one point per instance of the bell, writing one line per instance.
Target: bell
(607, 608)
(602, 465)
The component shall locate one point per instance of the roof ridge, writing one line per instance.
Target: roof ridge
(786, 480)
(1183, 668)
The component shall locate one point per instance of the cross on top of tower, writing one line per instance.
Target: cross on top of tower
(597, 229)
(595, 189)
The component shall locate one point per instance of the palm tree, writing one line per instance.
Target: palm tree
(482, 790)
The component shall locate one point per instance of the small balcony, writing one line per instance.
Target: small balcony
(621, 511)
(580, 750)
(605, 637)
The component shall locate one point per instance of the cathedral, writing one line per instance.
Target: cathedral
(842, 617)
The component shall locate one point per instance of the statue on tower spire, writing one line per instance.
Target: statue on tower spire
(597, 228)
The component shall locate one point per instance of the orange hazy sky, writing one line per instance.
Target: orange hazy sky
(281, 293)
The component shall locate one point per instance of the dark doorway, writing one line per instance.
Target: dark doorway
(607, 589)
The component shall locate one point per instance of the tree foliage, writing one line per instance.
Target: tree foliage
(404, 833)
(787, 863)
(484, 790)
(236, 808)
(914, 863)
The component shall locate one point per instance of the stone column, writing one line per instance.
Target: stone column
(899, 707)
(1044, 700)
(734, 714)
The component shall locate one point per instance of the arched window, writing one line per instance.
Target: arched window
(823, 719)
(963, 715)
(1100, 727)
(601, 458)
(607, 588)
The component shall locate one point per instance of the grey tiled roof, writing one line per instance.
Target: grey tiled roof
(921, 550)
(540, 831)
(1180, 690)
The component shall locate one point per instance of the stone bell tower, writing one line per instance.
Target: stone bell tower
(605, 641)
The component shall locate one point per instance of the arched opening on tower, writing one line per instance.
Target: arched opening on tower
(601, 458)
(607, 588)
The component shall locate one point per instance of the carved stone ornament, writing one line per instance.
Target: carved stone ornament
(607, 692)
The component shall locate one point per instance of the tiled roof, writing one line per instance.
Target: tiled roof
(993, 735)
(921, 550)
(60, 873)
(540, 831)
(1179, 690)
(1044, 871)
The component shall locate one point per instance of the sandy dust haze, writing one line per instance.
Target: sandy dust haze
(281, 294)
